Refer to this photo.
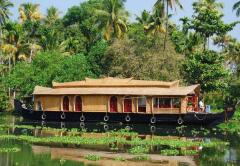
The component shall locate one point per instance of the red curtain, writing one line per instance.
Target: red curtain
(78, 104)
(65, 103)
(113, 104)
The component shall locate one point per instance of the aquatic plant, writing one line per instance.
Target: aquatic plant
(92, 157)
(170, 152)
(119, 158)
(9, 150)
(138, 150)
(142, 158)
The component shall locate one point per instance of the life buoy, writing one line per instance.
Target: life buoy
(127, 118)
(82, 118)
(106, 127)
(106, 118)
(63, 116)
(44, 116)
(180, 121)
(153, 129)
(153, 120)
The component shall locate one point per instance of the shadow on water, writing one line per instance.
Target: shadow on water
(68, 155)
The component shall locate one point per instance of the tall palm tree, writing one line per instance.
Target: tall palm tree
(4, 15)
(4, 11)
(172, 4)
(156, 21)
(52, 15)
(236, 7)
(29, 11)
(144, 18)
(113, 18)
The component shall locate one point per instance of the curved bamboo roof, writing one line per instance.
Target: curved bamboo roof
(115, 82)
(175, 91)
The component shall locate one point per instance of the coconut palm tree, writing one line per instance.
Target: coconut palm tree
(172, 4)
(156, 21)
(29, 11)
(52, 15)
(4, 11)
(113, 18)
(144, 18)
(236, 7)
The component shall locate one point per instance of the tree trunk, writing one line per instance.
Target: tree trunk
(166, 33)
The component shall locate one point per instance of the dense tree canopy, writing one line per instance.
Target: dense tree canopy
(97, 38)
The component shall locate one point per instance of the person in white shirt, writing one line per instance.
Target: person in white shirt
(201, 105)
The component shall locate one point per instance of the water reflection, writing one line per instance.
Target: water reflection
(44, 155)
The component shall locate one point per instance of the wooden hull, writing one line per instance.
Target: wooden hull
(178, 119)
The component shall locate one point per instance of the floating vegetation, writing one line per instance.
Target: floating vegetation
(92, 157)
(119, 158)
(170, 152)
(142, 158)
(9, 150)
(138, 150)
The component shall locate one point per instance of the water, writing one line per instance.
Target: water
(69, 155)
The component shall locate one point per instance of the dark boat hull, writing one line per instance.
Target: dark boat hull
(185, 119)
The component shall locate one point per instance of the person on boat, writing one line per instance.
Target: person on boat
(201, 105)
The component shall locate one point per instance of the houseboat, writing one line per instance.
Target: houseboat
(120, 100)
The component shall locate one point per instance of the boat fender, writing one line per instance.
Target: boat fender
(127, 118)
(44, 116)
(153, 129)
(82, 118)
(106, 127)
(63, 116)
(106, 118)
(180, 121)
(62, 125)
(153, 120)
(43, 123)
(82, 125)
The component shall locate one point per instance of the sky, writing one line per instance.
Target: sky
(135, 7)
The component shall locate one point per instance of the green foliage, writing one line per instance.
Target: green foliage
(207, 19)
(142, 57)
(9, 150)
(96, 56)
(206, 69)
(45, 68)
(3, 100)
(138, 150)
(141, 158)
(119, 158)
(170, 152)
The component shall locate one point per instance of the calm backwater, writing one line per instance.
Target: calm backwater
(55, 155)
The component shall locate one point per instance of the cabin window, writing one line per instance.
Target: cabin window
(167, 102)
(78, 104)
(142, 104)
(39, 106)
(113, 104)
(65, 103)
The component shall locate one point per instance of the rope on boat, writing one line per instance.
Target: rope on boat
(195, 115)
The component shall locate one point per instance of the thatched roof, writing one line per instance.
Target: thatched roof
(154, 91)
(115, 82)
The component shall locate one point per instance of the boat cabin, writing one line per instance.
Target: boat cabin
(117, 95)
